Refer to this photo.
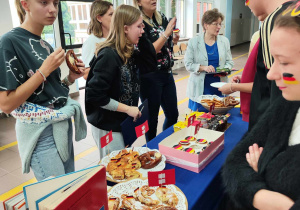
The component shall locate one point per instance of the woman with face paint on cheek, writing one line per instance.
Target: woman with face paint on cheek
(263, 170)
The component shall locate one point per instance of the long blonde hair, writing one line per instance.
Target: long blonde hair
(98, 7)
(123, 15)
(156, 14)
(20, 10)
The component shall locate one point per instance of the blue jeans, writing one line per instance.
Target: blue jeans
(45, 160)
(160, 90)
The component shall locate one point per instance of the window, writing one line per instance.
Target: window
(48, 35)
(209, 6)
(161, 6)
(119, 2)
(173, 8)
(202, 7)
(74, 18)
(180, 8)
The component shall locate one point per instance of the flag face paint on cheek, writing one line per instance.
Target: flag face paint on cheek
(289, 79)
(247, 2)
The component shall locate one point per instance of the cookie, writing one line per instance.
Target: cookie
(184, 142)
(189, 150)
(202, 141)
(190, 138)
(178, 147)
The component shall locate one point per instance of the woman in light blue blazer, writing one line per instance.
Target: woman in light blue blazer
(204, 54)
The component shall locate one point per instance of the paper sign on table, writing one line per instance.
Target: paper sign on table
(197, 127)
(191, 120)
(159, 178)
(212, 107)
(142, 129)
(105, 140)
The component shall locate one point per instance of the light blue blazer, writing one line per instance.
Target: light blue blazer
(196, 55)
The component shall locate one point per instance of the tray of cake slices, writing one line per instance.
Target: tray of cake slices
(132, 163)
(136, 194)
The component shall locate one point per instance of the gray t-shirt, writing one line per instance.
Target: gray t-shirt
(21, 55)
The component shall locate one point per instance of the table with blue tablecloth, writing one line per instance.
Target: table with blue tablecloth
(204, 190)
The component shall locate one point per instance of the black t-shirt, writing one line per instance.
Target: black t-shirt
(164, 58)
(264, 91)
(21, 55)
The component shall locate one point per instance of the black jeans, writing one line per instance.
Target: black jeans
(160, 90)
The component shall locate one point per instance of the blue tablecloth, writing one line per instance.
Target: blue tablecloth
(204, 190)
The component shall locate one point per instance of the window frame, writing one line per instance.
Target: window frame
(61, 26)
(182, 30)
(201, 12)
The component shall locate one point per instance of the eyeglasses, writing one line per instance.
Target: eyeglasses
(217, 24)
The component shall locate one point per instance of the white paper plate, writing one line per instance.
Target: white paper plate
(141, 150)
(218, 84)
(129, 187)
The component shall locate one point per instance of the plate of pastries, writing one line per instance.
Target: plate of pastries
(132, 163)
(222, 105)
(136, 194)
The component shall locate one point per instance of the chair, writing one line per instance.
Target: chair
(183, 48)
(176, 53)
(178, 58)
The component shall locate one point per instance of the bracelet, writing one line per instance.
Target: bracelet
(164, 35)
(231, 88)
(67, 81)
(44, 78)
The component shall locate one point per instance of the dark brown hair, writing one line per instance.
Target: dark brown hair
(98, 7)
(211, 16)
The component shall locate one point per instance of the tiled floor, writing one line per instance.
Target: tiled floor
(86, 153)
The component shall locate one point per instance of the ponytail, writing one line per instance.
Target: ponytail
(20, 10)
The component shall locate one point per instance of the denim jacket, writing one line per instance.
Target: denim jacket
(196, 55)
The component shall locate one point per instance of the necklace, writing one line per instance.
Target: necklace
(213, 51)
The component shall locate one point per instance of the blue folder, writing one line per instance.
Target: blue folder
(128, 126)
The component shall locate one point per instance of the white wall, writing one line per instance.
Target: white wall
(222, 7)
(6, 23)
(240, 27)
